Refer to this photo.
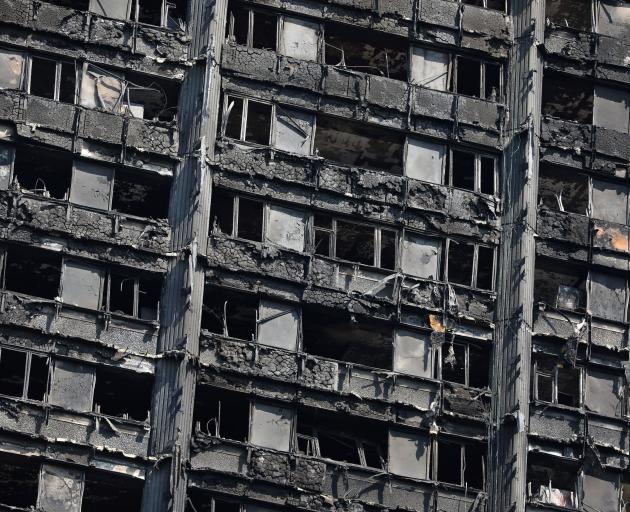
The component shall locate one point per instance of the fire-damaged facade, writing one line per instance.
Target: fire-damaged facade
(317, 255)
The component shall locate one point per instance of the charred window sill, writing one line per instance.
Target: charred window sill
(84, 222)
(316, 372)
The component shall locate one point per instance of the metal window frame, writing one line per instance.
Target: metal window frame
(321, 59)
(57, 74)
(106, 294)
(26, 378)
(450, 66)
(440, 358)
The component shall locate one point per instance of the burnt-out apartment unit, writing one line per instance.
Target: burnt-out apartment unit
(314, 255)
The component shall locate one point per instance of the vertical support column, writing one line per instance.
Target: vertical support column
(512, 365)
(182, 296)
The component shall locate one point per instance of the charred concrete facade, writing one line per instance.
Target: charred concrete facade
(327, 256)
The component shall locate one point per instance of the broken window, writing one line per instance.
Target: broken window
(359, 144)
(345, 338)
(201, 501)
(23, 374)
(611, 108)
(221, 413)
(111, 396)
(464, 363)
(613, 19)
(473, 171)
(104, 492)
(19, 477)
(409, 454)
(557, 383)
(420, 256)
(413, 353)
(359, 243)
(567, 98)
(460, 463)
(60, 489)
(72, 385)
(604, 393)
(52, 79)
(299, 38)
(430, 68)
(478, 79)
(470, 265)
(41, 171)
(229, 313)
(136, 294)
(271, 426)
(256, 221)
(142, 195)
(609, 201)
(11, 69)
(560, 285)
(569, 13)
(247, 120)
(563, 189)
(162, 13)
(131, 93)
(252, 27)
(368, 51)
(552, 480)
(354, 441)
(425, 160)
(32, 271)
(293, 130)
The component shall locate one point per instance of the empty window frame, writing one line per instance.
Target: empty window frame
(104, 491)
(132, 294)
(19, 477)
(563, 189)
(133, 94)
(574, 14)
(112, 396)
(557, 383)
(247, 120)
(138, 193)
(30, 271)
(477, 78)
(552, 480)
(567, 97)
(359, 144)
(473, 171)
(201, 501)
(52, 79)
(470, 264)
(247, 317)
(464, 363)
(221, 413)
(41, 171)
(252, 27)
(361, 442)
(367, 51)
(23, 374)
(163, 13)
(255, 220)
(330, 334)
(458, 463)
(351, 241)
(560, 285)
